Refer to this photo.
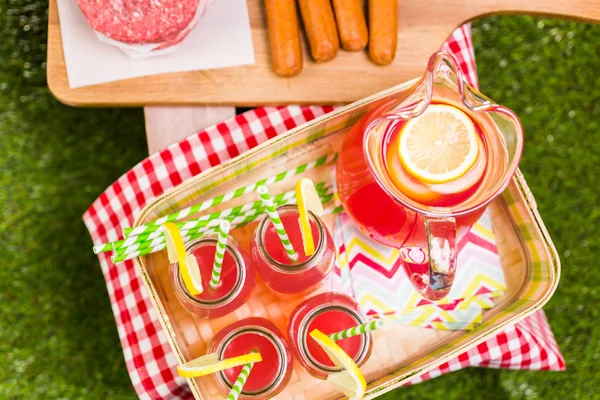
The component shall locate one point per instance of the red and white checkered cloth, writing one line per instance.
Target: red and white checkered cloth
(150, 362)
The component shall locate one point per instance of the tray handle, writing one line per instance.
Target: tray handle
(582, 10)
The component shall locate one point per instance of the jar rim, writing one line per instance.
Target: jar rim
(303, 335)
(277, 344)
(297, 267)
(241, 276)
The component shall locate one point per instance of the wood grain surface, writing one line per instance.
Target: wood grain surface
(423, 27)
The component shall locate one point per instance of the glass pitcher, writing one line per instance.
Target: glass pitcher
(426, 234)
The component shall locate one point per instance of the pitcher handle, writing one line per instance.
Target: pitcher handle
(441, 241)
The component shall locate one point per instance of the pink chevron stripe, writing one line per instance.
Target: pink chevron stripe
(483, 290)
(479, 254)
(489, 257)
(465, 240)
(482, 242)
(370, 281)
(424, 302)
(447, 307)
(361, 258)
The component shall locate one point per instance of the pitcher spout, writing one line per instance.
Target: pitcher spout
(443, 69)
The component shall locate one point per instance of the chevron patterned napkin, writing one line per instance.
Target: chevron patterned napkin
(372, 273)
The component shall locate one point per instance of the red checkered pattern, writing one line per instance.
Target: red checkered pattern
(150, 362)
(529, 344)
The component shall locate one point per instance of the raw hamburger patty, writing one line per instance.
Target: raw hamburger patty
(139, 21)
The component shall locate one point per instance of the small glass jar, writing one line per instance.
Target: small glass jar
(238, 279)
(328, 312)
(268, 377)
(281, 274)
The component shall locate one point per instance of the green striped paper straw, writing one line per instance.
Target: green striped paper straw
(156, 232)
(263, 192)
(230, 195)
(122, 257)
(238, 220)
(191, 233)
(215, 278)
(238, 386)
(357, 330)
(138, 253)
(192, 227)
(281, 198)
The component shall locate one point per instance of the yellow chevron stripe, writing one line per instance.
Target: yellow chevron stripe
(447, 316)
(372, 252)
(465, 303)
(413, 299)
(475, 300)
(483, 231)
(368, 298)
(476, 284)
(484, 302)
(439, 325)
(445, 300)
(342, 259)
(472, 325)
(420, 320)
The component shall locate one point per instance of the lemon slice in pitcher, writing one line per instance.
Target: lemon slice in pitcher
(188, 265)
(350, 380)
(210, 363)
(439, 145)
(308, 200)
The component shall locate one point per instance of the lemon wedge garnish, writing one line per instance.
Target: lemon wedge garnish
(188, 265)
(308, 200)
(350, 380)
(209, 364)
(439, 145)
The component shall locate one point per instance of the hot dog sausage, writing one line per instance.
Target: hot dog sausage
(320, 27)
(383, 26)
(284, 36)
(351, 23)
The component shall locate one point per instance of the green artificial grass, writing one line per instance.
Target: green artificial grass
(57, 334)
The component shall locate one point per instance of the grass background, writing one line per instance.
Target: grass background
(57, 334)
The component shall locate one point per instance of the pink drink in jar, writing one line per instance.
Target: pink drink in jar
(268, 377)
(278, 272)
(237, 279)
(329, 313)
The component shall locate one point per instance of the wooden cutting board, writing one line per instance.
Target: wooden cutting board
(423, 27)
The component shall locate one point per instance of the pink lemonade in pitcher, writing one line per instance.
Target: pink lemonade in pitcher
(430, 180)
(268, 377)
(419, 169)
(426, 178)
(279, 273)
(330, 313)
